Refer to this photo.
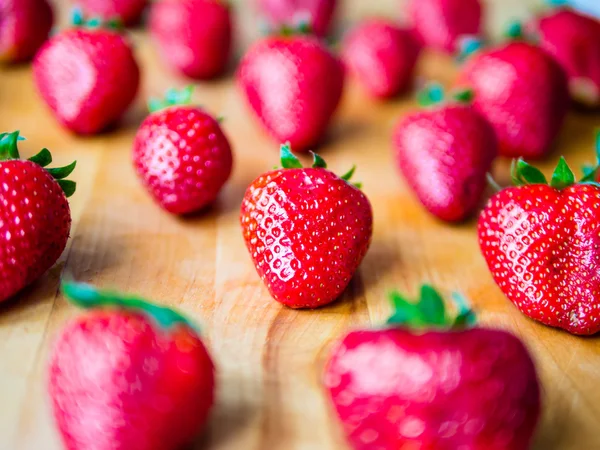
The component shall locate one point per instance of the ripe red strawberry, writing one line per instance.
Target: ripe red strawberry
(193, 36)
(445, 154)
(128, 375)
(574, 40)
(417, 384)
(181, 154)
(24, 26)
(294, 85)
(318, 14)
(441, 23)
(523, 92)
(87, 76)
(541, 244)
(382, 56)
(35, 219)
(307, 231)
(126, 11)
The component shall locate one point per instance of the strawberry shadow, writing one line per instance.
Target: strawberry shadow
(340, 132)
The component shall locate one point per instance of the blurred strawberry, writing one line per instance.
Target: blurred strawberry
(126, 11)
(87, 75)
(382, 56)
(318, 14)
(193, 36)
(24, 26)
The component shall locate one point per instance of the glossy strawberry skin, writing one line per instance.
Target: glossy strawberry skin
(541, 246)
(24, 26)
(474, 389)
(118, 380)
(523, 93)
(35, 221)
(382, 57)
(194, 36)
(441, 23)
(182, 157)
(445, 154)
(307, 231)
(294, 85)
(318, 14)
(87, 77)
(127, 11)
(574, 40)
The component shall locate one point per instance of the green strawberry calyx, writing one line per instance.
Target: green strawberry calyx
(173, 97)
(429, 311)
(290, 161)
(78, 19)
(88, 297)
(468, 45)
(433, 94)
(9, 150)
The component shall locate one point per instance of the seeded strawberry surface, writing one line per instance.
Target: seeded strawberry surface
(307, 231)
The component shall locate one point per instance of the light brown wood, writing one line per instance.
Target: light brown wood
(269, 357)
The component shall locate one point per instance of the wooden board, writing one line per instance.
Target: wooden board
(269, 357)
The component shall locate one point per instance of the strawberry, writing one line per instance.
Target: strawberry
(445, 154)
(125, 11)
(441, 23)
(307, 231)
(417, 384)
(318, 14)
(294, 85)
(24, 26)
(87, 75)
(541, 245)
(194, 37)
(574, 40)
(35, 219)
(128, 375)
(181, 154)
(523, 92)
(382, 56)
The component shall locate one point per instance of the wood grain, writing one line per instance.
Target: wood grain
(269, 357)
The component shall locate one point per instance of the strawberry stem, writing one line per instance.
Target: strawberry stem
(514, 30)
(173, 97)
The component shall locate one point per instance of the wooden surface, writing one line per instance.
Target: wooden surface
(269, 357)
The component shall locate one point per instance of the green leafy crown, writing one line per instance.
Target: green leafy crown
(173, 97)
(429, 311)
(434, 94)
(78, 19)
(9, 150)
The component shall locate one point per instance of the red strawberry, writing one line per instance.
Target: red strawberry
(294, 85)
(445, 154)
(541, 244)
(24, 26)
(407, 386)
(441, 23)
(307, 231)
(181, 155)
(318, 14)
(382, 57)
(523, 92)
(193, 36)
(35, 219)
(87, 76)
(126, 11)
(574, 40)
(128, 375)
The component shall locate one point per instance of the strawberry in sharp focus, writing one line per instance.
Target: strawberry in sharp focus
(428, 382)
(441, 23)
(523, 93)
(193, 36)
(181, 154)
(125, 11)
(24, 26)
(307, 231)
(87, 75)
(294, 85)
(128, 375)
(381, 56)
(318, 14)
(574, 40)
(542, 245)
(445, 154)
(35, 219)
